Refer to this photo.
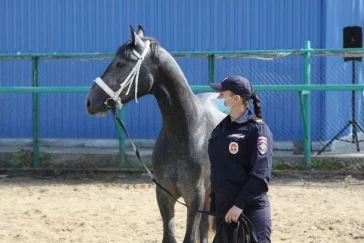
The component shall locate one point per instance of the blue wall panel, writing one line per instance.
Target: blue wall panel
(339, 14)
(101, 26)
(15, 109)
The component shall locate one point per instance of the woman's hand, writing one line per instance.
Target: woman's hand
(233, 214)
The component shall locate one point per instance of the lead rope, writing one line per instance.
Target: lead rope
(120, 122)
(115, 96)
(248, 228)
(243, 233)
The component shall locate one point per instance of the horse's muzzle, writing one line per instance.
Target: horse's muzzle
(94, 106)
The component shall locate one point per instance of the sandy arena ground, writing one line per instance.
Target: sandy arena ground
(125, 210)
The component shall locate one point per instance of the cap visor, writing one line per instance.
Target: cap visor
(216, 86)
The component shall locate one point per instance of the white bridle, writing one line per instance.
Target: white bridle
(133, 75)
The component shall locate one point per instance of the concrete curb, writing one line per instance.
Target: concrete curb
(140, 143)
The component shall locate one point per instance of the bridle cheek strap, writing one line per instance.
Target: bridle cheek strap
(133, 76)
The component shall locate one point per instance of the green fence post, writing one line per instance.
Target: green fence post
(35, 114)
(211, 63)
(307, 104)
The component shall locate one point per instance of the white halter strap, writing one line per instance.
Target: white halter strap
(133, 75)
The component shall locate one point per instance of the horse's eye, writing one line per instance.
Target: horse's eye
(120, 64)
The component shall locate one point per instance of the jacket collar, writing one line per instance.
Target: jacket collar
(244, 117)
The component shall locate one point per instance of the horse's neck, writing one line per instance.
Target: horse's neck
(179, 106)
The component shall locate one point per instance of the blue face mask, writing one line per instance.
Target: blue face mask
(221, 106)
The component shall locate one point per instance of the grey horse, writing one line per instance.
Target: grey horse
(180, 160)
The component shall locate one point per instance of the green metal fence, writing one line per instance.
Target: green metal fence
(303, 90)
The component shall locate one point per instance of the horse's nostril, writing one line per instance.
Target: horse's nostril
(88, 103)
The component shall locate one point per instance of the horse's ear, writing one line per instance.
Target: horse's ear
(140, 31)
(135, 38)
(132, 34)
(138, 41)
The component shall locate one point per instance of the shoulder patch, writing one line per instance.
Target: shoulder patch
(262, 144)
(259, 120)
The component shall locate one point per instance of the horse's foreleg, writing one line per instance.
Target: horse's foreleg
(204, 226)
(193, 217)
(166, 208)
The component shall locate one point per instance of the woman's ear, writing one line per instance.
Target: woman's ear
(239, 98)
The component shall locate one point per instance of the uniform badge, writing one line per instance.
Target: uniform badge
(262, 145)
(238, 136)
(234, 147)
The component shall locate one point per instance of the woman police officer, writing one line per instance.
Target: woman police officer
(240, 151)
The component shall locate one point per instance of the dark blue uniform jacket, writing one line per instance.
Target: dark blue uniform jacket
(240, 153)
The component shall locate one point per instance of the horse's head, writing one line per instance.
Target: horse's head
(128, 76)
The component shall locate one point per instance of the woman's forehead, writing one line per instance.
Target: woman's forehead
(225, 92)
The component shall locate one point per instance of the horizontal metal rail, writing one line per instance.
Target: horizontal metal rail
(195, 88)
(188, 54)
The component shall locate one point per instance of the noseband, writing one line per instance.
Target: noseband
(133, 76)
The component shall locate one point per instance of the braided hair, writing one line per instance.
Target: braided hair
(256, 103)
(257, 106)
